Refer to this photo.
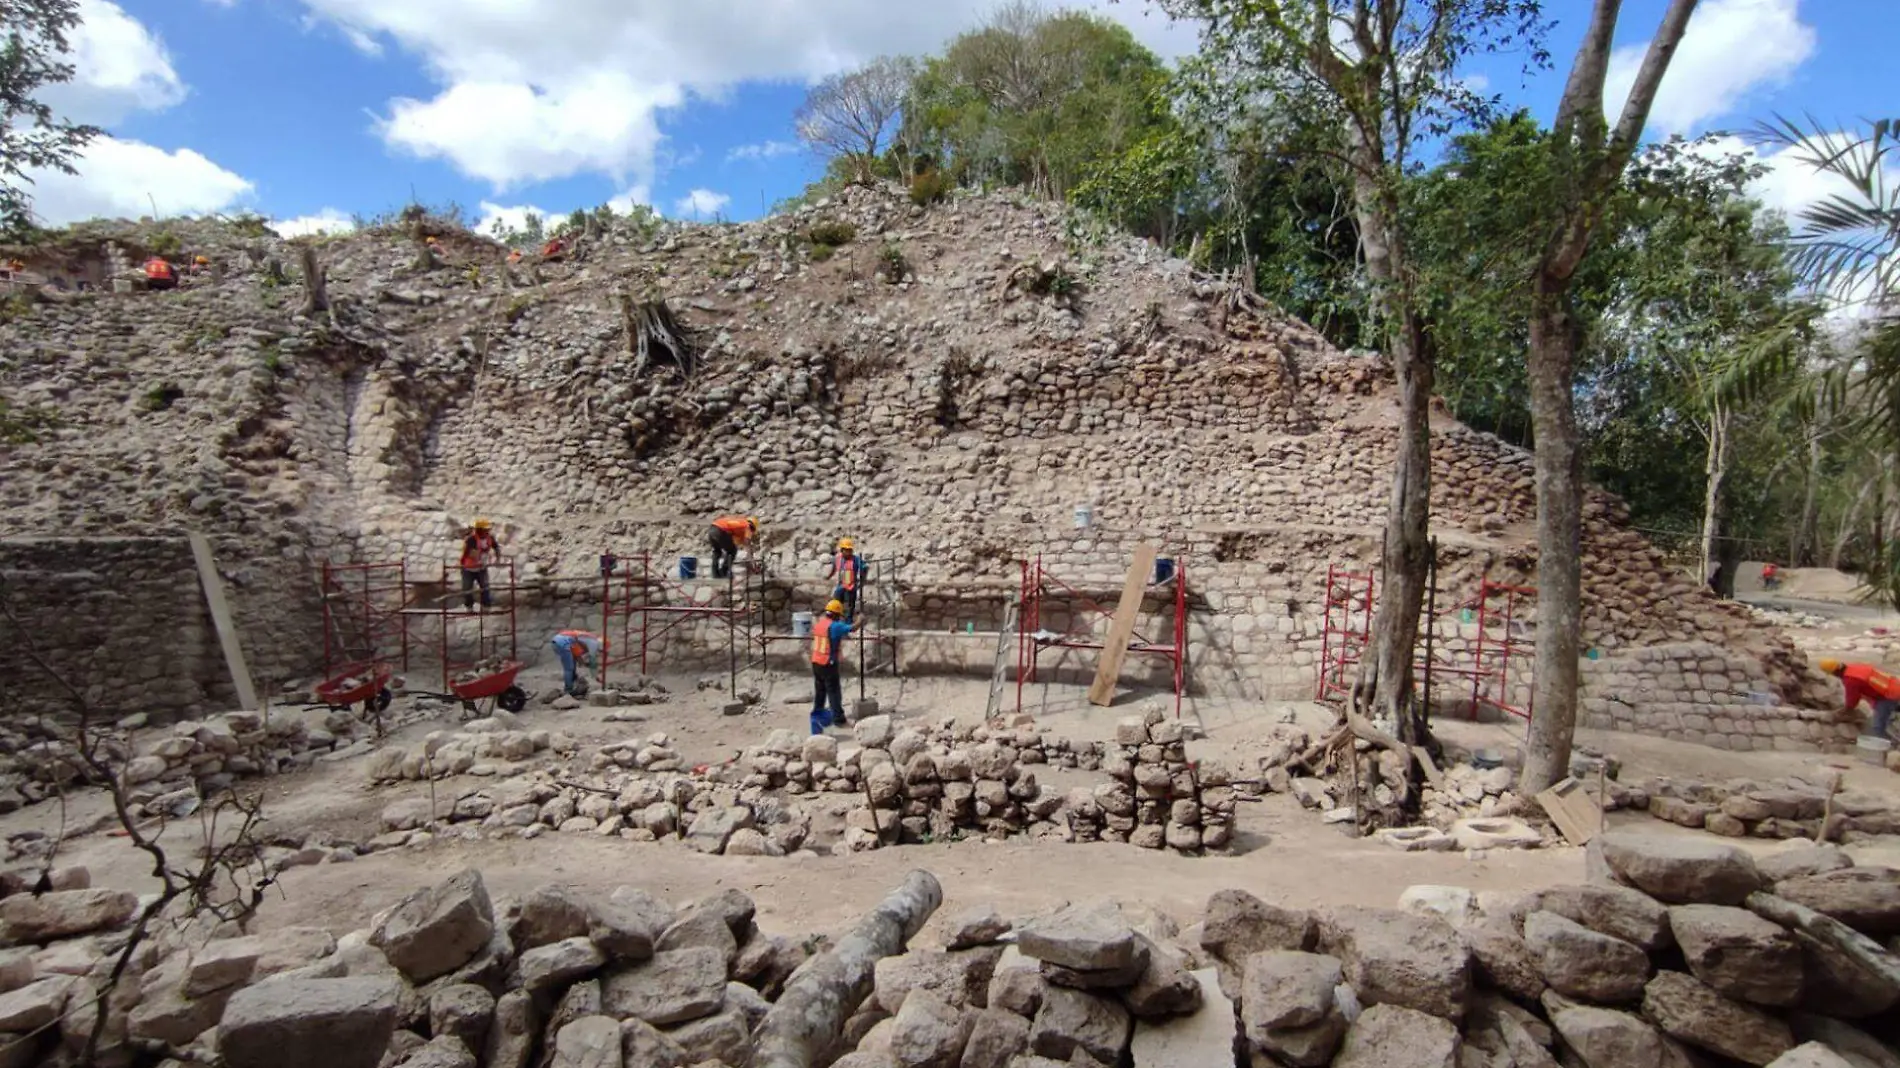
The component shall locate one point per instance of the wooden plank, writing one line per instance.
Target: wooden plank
(1115, 646)
(221, 618)
(1573, 811)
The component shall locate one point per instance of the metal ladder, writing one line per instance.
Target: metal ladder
(998, 670)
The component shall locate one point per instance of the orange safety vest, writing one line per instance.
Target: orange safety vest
(847, 568)
(1874, 680)
(734, 525)
(475, 550)
(156, 268)
(578, 634)
(821, 651)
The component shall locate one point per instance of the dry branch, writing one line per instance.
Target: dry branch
(1864, 951)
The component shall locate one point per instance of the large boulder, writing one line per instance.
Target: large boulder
(1681, 869)
(1200, 1038)
(1801, 857)
(1071, 1020)
(512, 1035)
(1400, 958)
(627, 924)
(1502, 958)
(713, 828)
(996, 1038)
(1238, 925)
(34, 1006)
(1289, 1008)
(723, 1036)
(671, 988)
(1390, 1036)
(1017, 984)
(589, 1042)
(309, 1023)
(643, 1044)
(961, 977)
(1582, 963)
(1609, 1038)
(1617, 911)
(557, 965)
(462, 1011)
(1836, 984)
(434, 931)
(1866, 899)
(1738, 953)
(550, 914)
(1685, 1008)
(1165, 988)
(1079, 938)
(929, 1032)
(63, 914)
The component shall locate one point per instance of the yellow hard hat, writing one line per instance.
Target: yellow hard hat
(834, 607)
(482, 524)
(752, 524)
(847, 544)
(1832, 666)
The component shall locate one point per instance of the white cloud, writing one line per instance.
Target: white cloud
(1731, 49)
(512, 217)
(119, 67)
(126, 179)
(763, 150)
(532, 90)
(701, 204)
(326, 221)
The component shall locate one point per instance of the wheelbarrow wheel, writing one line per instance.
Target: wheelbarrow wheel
(513, 699)
(383, 697)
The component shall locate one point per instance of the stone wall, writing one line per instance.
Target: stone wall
(122, 619)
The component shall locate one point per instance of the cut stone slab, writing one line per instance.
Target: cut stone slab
(1681, 869)
(1192, 1041)
(1400, 958)
(1282, 990)
(1071, 1020)
(960, 977)
(1495, 832)
(1610, 1038)
(929, 1032)
(670, 988)
(63, 914)
(1582, 963)
(1084, 939)
(1416, 839)
(1390, 1036)
(1866, 899)
(1617, 911)
(33, 1007)
(313, 1023)
(557, 965)
(433, 932)
(976, 927)
(1685, 1008)
(1739, 954)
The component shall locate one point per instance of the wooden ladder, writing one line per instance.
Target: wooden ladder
(999, 669)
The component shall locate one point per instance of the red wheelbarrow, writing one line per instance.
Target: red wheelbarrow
(497, 686)
(366, 684)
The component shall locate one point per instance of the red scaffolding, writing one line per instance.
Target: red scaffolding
(1501, 639)
(362, 615)
(375, 612)
(1038, 585)
(494, 624)
(1347, 632)
(628, 594)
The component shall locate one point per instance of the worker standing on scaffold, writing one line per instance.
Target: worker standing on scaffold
(827, 652)
(479, 551)
(847, 570)
(729, 532)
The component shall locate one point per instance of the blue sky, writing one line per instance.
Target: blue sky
(308, 111)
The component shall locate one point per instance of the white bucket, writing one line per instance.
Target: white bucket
(1872, 750)
(1084, 516)
(801, 624)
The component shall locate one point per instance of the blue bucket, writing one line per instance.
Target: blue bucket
(1164, 569)
(689, 567)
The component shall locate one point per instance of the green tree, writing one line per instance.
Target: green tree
(31, 136)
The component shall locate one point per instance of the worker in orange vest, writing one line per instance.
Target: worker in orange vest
(1881, 690)
(827, 652)
(729, 532)
(479, 551)
(577, 647)
(847, 569)
(159, 274)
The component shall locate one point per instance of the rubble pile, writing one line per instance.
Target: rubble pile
(1157, 798)
(1680, 952)
(490, 746)
(1737, 808)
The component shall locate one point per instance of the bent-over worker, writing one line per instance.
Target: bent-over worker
(159, 274)
(827, 652)
(847, 569)
(479, 551)
(1881, 690)
(577, 647)
(729, 532)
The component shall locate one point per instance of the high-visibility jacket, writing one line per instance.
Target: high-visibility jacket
(1867, 681)
(592, 641)
(848, 568)
(478, 550)
(825, 638)
(157, 269)
(736, 526)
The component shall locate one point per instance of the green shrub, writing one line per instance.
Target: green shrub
(929, 187)
(821, 253)
(832, 232)
(22, 426)
(161, 397)
(891, 263)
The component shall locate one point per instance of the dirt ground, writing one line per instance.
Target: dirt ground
(1284, 854)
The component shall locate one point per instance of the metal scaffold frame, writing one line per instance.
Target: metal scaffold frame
(487, 642)
(876, 591)
(383, 602)
(1343, 642)
(1036, 588)
(627, 594)
(1500, 648)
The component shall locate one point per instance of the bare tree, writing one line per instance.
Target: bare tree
(850, 116)
(1589, 159)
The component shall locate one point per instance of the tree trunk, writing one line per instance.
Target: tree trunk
(1807, 532)
(1716, 469)
(1559, 466)
(823, 993)
(316, 291)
